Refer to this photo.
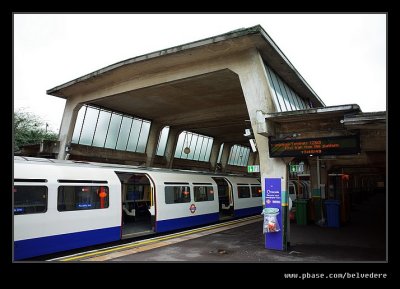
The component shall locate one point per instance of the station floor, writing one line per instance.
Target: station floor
(363, 239)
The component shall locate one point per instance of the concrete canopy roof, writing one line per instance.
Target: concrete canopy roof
(211, 104)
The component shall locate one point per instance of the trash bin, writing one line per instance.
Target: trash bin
(301, 211)
(332, 213)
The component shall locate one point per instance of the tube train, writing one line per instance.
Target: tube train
(63, 205)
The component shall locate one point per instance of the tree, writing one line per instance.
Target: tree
(30, 129)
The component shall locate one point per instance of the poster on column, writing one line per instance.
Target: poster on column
(273, 238)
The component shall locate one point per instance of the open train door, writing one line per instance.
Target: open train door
(138, 204)
(225, 198)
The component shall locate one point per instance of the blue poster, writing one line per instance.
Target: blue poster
(273, 214)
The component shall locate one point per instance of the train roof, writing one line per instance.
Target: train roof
(22, 159)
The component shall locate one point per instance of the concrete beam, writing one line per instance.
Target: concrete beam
(152, 142)
(171, 145)
(225, 156)
(252, 158)
(67, 126)
(214, 154)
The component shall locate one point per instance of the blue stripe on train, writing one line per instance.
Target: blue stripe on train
(179, 223)
(45, 245)
(248, 211)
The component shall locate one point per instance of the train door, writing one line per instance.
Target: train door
(225, 198)
(138, 204)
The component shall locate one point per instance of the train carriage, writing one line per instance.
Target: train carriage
(63, 205)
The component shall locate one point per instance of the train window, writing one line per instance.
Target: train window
(73, 198)
(30, 200)
(243, 192)
(256, 191)
(177, 194)
(203, 193)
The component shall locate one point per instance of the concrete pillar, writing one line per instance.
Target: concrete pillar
(171, 145)
(67, 126)
(257, 159)
(254, 82)
(225, 156)
(252, 159)
(314, 176)
(253, 79)
(214, 154)
(152, 143)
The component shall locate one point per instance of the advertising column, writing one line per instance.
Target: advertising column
(272, 227)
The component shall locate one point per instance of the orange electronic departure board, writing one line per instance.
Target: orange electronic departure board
(340, 145)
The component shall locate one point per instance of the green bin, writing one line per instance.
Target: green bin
(301, 211)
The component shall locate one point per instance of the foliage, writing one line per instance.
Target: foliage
(30, 129)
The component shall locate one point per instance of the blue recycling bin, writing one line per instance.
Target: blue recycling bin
(333, 213)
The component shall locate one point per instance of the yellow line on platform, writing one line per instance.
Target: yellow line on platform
(153, 240)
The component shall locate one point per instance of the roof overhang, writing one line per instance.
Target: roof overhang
(313, 114)
(234, 41)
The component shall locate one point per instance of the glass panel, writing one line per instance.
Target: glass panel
(192, 146)
(186, 144)
(235, 155)
(134, 135)
(221, 149)
(78, 125)
(243, 192)
(293, 97)
(101, 129)
(124, 133)
(241, 155)
(277, 84)
(274, 96)
(30, 200)
(287, 95)
(203, 149)
(113, 131)
(246, 160)
(299, 100)
(230, 155)
(89, 125)
(208, 151)
(144, 135)
(72, 198)
(177, 194)
(179, 145)
(200, 146)
(203, 193)
(307, 103)
(197, 150)
(277, 91)
(162, 141)
(284, 94)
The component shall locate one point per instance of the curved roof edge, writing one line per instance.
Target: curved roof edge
(195, 44)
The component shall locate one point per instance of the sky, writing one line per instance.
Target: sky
(341, 56)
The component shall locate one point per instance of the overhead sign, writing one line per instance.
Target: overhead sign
(253, 169)
(340, 145)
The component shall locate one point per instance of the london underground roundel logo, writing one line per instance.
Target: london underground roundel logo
(192, 208)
